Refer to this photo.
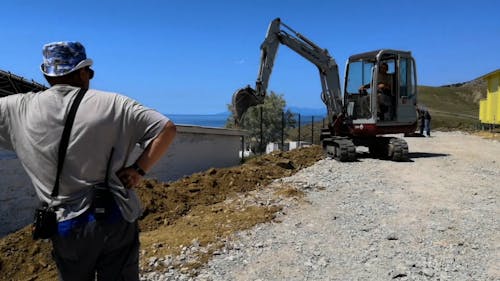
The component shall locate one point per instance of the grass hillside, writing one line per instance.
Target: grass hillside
(453, 106)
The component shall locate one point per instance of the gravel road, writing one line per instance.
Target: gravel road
(435, 217)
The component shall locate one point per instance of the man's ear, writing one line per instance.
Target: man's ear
(81, 74)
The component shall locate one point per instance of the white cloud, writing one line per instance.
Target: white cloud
(241, 61)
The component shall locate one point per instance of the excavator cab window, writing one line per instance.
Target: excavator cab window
(358, 90)
(359, 74)
(406, 78)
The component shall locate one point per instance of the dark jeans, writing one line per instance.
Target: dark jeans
(98, 250)
(428, 127)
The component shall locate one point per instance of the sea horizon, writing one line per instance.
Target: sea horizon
(219, 120)
(205, 120)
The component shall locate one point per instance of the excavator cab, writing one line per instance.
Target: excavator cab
(380, 88)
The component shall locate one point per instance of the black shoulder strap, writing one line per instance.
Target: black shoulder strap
(108, 166)
(63, 145)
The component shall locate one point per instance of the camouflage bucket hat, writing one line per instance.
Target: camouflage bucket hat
(61, 58)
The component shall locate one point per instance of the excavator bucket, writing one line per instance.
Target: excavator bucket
(243, 99)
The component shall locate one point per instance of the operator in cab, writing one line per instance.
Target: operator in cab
(384, 91)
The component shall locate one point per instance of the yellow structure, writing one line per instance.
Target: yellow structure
(489, 108)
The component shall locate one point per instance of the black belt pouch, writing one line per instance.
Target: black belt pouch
(45, 224)
(102, 201)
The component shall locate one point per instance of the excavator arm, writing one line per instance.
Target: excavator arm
(279, 33)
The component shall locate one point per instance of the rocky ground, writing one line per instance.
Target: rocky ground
(433, 218)
(296, 216)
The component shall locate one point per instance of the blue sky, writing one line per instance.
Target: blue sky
(190, 56)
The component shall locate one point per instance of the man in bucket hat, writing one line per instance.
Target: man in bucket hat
(107, 126)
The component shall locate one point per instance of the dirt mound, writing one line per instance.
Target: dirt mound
(177, 213)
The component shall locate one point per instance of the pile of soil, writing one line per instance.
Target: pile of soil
(176, 213)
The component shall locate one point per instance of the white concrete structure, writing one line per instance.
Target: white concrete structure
(195, 149)
(245, 153)
(298, 144)
(272, 146)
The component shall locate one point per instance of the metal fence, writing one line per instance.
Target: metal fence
(292, 130)
(308, 128)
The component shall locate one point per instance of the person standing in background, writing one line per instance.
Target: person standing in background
(427, 123)
(421, 119)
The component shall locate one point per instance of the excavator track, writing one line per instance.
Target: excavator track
(341, 149)
(398, 149)
(394, 149)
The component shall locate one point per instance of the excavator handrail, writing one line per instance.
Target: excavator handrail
(302, 37)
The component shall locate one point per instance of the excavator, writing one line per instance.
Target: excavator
(379, 98)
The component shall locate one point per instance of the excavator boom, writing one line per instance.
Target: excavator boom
(279, 33)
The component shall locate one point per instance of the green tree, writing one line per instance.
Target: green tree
(272, 122)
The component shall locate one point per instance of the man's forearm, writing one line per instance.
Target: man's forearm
(158, 147)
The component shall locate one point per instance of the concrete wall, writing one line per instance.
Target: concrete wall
(17, 196)
(195, 149)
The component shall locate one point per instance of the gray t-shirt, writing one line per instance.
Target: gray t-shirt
(31, 125)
